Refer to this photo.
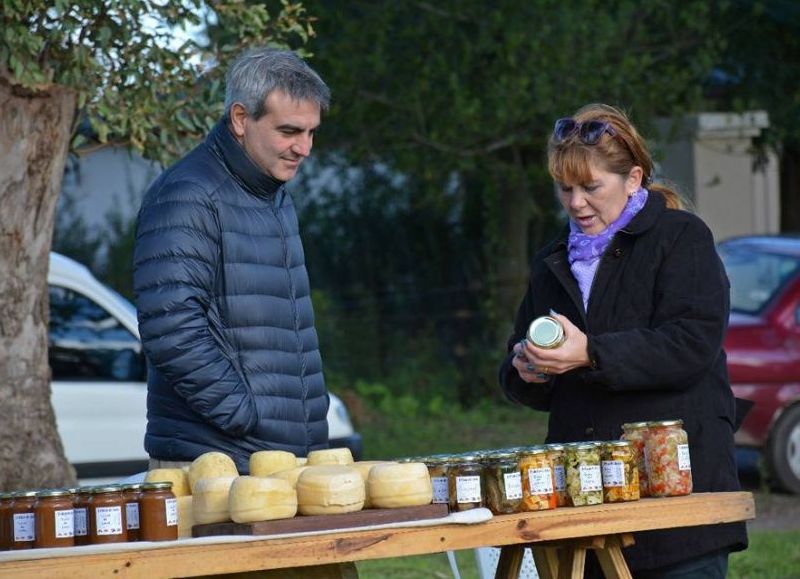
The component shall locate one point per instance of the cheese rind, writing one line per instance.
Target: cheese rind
(253, 498)
(290, 475)
(177, 476)
(266, 462)
(210, 500)
(363, 467)
(330, 456)
(399, 485)
(211, 465)
(330, 489)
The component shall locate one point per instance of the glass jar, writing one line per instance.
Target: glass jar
(132, 493)
(584, 477)
(464, 483)
(636, 432)
(107, 522)
(55, 519)
(80, 505)
(502, 483)
(23, 520)
(538, 480)
(159, 512)
(620, 472)
(546, 332)
(5, 521)
(437, 470)
(556, 454)
(669, 468)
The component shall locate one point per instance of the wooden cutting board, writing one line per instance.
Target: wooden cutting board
(305, 524)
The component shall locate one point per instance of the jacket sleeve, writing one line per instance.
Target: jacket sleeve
(689, 319)
(176, 257)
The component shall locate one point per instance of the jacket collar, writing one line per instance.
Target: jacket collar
(239, 164)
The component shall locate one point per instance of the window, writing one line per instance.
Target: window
(88, 343)
(756, 277)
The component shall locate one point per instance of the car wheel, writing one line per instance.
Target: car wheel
(783, 452)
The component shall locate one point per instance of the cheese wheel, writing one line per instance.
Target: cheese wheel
(266, 462)
(211, 465)
(363, 467)
(210, 500)
(399, 485)
(185, 517)
(330, 456)
(329, 489)
(177, 476)
(254, 498)
(290, 475)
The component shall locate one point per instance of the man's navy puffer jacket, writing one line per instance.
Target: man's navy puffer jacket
(225, 312)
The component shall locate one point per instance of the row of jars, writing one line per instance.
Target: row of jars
(88, 516)
(662, 457)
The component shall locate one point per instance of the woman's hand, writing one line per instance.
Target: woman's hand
(525, 366)
(573, 353)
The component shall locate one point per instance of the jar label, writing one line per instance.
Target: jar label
(684, 463)
(591, 478)
(65, 524)
(441, 493)
(613, 473)
(468, 489)
(24, 527)
(540, 480)
(561, 478)
(132, 515)
(80, 523)
(108, 520)
(171, 507)
(513, 482)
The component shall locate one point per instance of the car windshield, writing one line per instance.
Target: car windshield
(756, 277)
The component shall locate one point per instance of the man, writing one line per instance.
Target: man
(221, 286)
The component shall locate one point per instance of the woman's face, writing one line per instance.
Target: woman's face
(597, 204)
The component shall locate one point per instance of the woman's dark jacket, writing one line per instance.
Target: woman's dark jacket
(225, 312)
(656, 319)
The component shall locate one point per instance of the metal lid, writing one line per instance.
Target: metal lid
(635, 425)
(583, 446)
(6, 495)
(156, 486)
(23, 494)
(618, 443)
(53, 493)
(501, 455)
(533, 450)
(437, 459)
(545, 332)
(132, 486)
(468, 457)
(674, 422)
(99, 490)
(555, 446)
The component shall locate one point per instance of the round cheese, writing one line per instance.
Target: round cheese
(210, 500)
(326, 490)
(399, 485)
(177, 476)
(363, 467)
(266, 462)
(211, 465)
(185, 517)
(253, 498)
(330, 456)
(290, 475)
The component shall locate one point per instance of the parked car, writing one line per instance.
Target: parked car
(99, 386)
(763, 345)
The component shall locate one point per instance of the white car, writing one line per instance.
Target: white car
(99, 388)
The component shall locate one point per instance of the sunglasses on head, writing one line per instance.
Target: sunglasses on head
(589, 133)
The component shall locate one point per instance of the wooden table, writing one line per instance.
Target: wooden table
(603, 527)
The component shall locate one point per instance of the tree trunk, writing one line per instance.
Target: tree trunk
(35, 129)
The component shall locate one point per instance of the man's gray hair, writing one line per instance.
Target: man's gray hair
(258, 72)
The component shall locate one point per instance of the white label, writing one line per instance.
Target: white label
(65, 524)
(540, 480)
(108, 520)
(468, 489)
(613, 473)
(684, 463)
(171, 506)
(80, 523)
(132, 515)
(513, 482)
(441, 493)
(591, 478)
(24, 527)
(561, 478)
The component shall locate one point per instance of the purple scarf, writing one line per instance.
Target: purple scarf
(584, 250)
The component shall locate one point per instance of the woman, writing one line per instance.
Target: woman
(643, 298)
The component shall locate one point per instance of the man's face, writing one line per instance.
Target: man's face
(280, 140)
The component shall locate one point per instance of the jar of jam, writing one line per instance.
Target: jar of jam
(620, 472)
(636, 432)
(502, 483)
(464, 483)
(107, 523)
(557, 456)
(23, 520)
(437, 470)
(584, 477)
(669, 468)
(538, 480)
(159, 512)
(5, 521)
(132, 493)
(55, 519)
(80, 505)
(546, 332)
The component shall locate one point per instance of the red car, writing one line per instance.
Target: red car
(763, 346)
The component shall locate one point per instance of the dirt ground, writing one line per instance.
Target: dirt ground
(775, 511)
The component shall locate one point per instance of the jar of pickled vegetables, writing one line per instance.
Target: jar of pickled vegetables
(464, 483)
(437, 470)
(502, 483)
(620, 472)
(636, 432)
(584, 477)
(557, 455)
(669, 468)
(538, 480)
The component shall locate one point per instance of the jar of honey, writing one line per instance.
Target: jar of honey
(107, 522)
(80, 504)
(23, 520)
(132, 493)
(158, 512)
(55, 519)
(5, 521)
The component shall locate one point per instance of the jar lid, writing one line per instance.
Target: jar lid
(674, 422)
(437, 459)
(23, 494)
(468, 457)
(132, 486)
(584, 446)
(533, 450)
(618, 443)
(635, 425)
(99, 490)
(153, 486)
(545, 332)
(502, 455)
(53, 493)
(555, 446)
(6, 495)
